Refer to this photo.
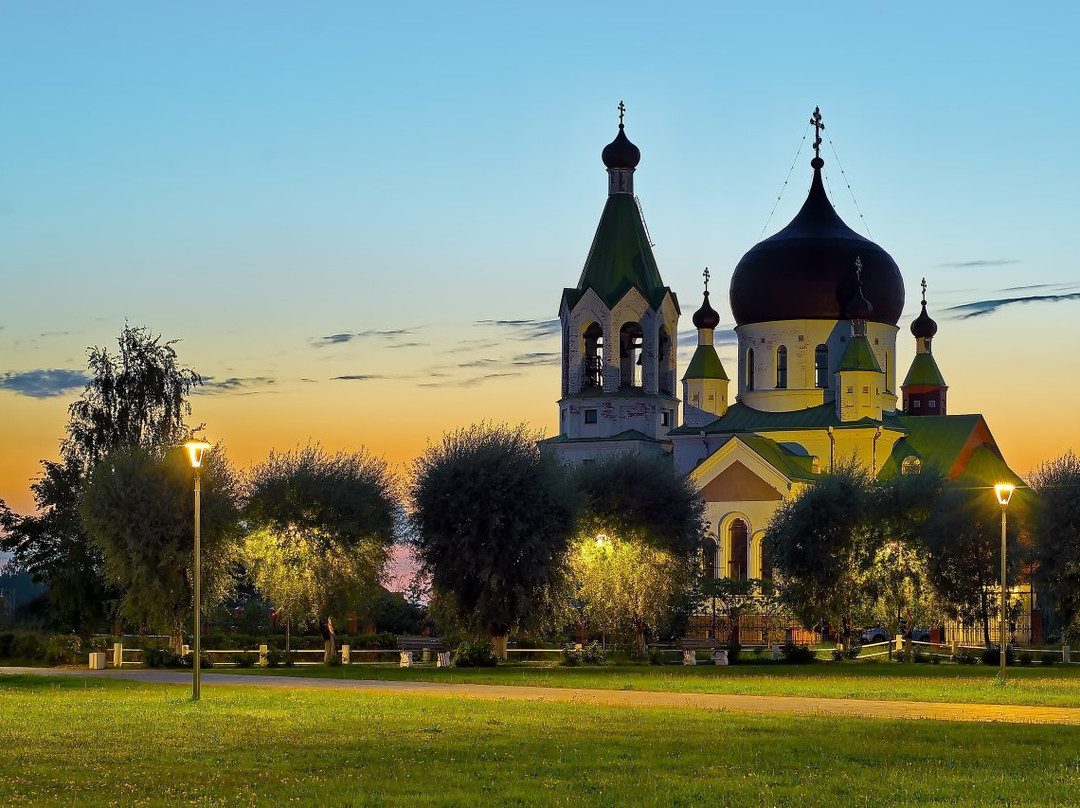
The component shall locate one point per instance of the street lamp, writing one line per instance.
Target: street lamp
(196, 450)
(1004, 493)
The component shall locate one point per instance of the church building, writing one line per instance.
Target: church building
(815, 309)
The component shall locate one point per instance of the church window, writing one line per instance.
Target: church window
(590, 416)
(911, 465)
(631, 341)
(708, 559)
(695, 399)
(665, 418)
(750, 369)
(821, 367)
(766, 561)
(737, 536)
(915, 404)
(663, 350)
(781, 366)
(594, 355)
(888, 372)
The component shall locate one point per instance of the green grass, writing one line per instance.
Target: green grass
(95, 742)
(1038, 686)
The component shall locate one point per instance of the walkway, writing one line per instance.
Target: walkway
(791, 705)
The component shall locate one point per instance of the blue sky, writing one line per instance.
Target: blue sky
(255, 177)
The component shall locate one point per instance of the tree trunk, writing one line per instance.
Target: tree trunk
(985, 617)
(498, 643)
(326, 628)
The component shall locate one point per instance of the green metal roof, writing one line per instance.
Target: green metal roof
(791, 465)
(620, 258)
(934, 439)
(924, 371)
(987, 468)
(858, 355)
(740, 418)
(705, 364)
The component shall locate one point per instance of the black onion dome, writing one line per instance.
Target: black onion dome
(858, 308)
(621, 153)
(706, 316)
(804, 271)
(923, 326)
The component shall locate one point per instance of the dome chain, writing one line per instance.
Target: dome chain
(788, 177)
(848, 184)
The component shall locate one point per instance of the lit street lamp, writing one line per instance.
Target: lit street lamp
(1004, 493)
(196, 450)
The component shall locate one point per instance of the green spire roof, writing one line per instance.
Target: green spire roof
(621, 257)
(705, 364)
(858, 355)
(924, 371)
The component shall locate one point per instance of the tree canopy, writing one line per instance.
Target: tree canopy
(491, 519)
(1055, 533)
(138, 508)
(320, 528)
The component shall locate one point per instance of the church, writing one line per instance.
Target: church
(815, 309)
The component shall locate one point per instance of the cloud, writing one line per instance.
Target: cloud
(348, 336)
(44, 383)
(407, 345)
(234, 384)
(537, 358)
(526, 329)
(470, 382)
(983, 307)
(981, 262)
(358, 377)
(721, 336)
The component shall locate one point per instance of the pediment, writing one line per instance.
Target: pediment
(737, 483)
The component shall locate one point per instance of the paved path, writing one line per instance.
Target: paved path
(792, 705)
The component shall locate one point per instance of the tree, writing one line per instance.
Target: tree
(137, 397)
(962, 537)
(320, 531)
(1055, 534)
(823, 549)
(138, 508)
(491, 520)
(638, 534)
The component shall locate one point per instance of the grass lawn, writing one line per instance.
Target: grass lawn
(1040, 686)
(95, 742)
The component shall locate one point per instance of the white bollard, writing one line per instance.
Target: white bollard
(263, 660)
(689, 656)
(346, 655)
(97, 660)
(118, 654)
(775, 651)
(719, 657)
(444, 659)
(1066, 656)
(406, 659)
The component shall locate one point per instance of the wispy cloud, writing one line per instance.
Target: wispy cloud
(234, 384)
(980, 308)
(44, 383)
(721, 336)
(349, 336)
(536, 358)
(980, 262)
(359, 377)
(407, 345)
(525, 329)
(472, 381)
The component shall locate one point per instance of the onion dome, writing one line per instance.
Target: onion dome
(706, 316)
(858, 308)
(621, 153)
(804, 271)
(923, 326)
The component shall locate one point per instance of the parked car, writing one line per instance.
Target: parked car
(872, 635)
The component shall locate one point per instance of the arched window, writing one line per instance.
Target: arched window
(737, 566)
(594, 356)
(708, 558)
(766, 561)
(631, 340)
(888, 373)
(821, 367)
(781, 366)
(749, 368)
(911, 465)
(663, 359)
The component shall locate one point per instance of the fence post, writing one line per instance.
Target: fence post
(775, 651)
(263, 660)
(1065, 656)
(346, 655)
(118, 655)
(955, 648)
(899, 643)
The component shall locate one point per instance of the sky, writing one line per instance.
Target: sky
(358, 218)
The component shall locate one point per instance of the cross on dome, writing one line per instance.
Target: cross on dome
(706, 274)
(858, 270)
(622, 111)
(924, 291)
(816, 122)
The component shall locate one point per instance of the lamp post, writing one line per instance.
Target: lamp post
(1004, 493)
(196, 450)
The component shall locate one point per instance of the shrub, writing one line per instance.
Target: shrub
(275, 657)
(7, 642)
(28, 647)
(62, 649)
(204, 661)
(992, 656)
(161, 658)
(935, 659)
(655, 657)
(242, 660)
(796, 654)
(964, 657)
(591, 654)
(1025, 658)
(734, 651)
(571, 656)
(475, 654)
(853, 650)
(920, 657)
(1047, 659)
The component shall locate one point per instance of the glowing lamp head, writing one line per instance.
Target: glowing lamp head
(196, 450)
(602, 540)
(1004, 493)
